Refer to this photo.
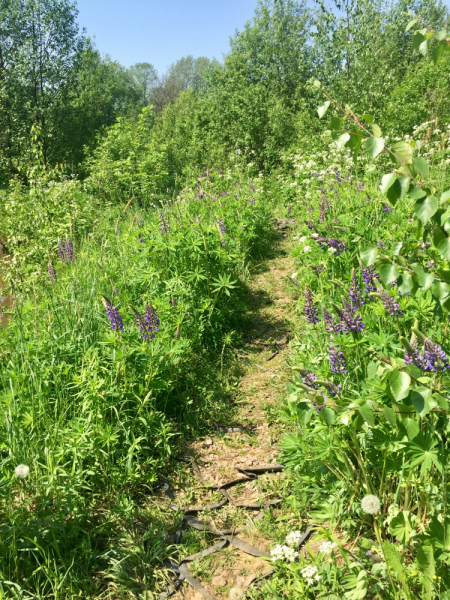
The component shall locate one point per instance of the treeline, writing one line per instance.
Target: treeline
(56, 84)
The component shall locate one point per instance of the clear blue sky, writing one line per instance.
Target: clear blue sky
(161, 31)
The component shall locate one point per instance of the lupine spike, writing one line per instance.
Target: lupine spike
(113, 314)
(52, 273)
(310, 308)
(337, 360)
(69, 249)
(62, 251)
(151, 320)
(141, 324)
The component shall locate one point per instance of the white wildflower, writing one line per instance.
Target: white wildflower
(22, 471)
(331, 250)
(303, 239)
(310, 581)
(294, 275)
(327, 547)
(371, 504)
(314, 235)
(308, 573)
(317, 577)
(308, 249)
(293, 538)
(281, 552)
(250, 164)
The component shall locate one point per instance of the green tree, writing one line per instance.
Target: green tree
(40, 46)
(145, 76)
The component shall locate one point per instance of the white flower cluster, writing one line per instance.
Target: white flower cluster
(310, 574)
(281, 552)
(294, 538)
(327, 547)
(287, 551)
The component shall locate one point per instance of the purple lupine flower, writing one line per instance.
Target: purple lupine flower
(174, 302)
(164, 226)
(431, 264)
(330, 323)
(113, 314)
(151, 320)
(251, 201)
(309, 379)
(141, 324)
(354, 292)
(310, 308)
(317, 269)
(386, 207)
(390, 304)
(322, 215)
(141, 239)
(69, 249)
(51, 273)
(338, 245)
(425, 246)
(351, 318)
(337, 360)
(223, 227)
(331, 388)
(62, 251)
(224, 194)
(381, 244)
(369, 275)
(435, 358)
(220, 172)
(412, 354)
(311, 225)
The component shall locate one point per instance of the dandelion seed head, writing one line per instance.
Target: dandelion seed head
(22, 471)
(371, 504)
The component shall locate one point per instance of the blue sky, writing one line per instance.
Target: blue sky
(161, 31)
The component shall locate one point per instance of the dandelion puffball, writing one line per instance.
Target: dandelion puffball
(22, 471)
(371, 504)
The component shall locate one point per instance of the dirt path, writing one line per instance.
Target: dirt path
(229, 572)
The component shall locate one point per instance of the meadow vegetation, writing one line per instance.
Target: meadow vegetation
(133, 208)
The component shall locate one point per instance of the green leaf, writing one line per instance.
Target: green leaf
(328, 415)
(445, 196)
(425, 208)
(415, 192)
(438, 534)
(374, 146)
(418, 39)
(410, 24)
(421, 165)
(389, 273)
(423, 48)
(403, 152)
(323, 108)
(367, 118)
(399, 382)
(438, 51)
(444, 248)
(336, 125)
(367, 414)
(412, 428)
(394, 564)
(369, 256)
(425, 562)
(397, 247)
(422, 400)
(376, 130)
(390, 415)
(406, 283)
(401, 527)
(387, 181)
(372, 369)
(440, 290)
(342, 140)
(316, 83)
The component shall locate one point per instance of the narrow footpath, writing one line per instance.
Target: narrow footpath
(249, 444)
